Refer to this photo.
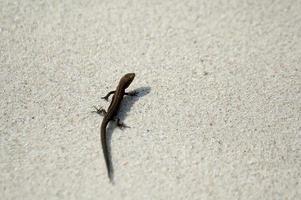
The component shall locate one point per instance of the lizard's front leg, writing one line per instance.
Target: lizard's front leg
(132, 93)
(108, 95)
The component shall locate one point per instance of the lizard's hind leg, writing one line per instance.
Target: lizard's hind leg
(120, 124)
(100, 111)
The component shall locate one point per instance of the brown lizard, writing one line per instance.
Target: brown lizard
(109, 115)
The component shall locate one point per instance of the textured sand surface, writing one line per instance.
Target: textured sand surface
(219, 110)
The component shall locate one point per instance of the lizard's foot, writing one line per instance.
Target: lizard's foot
(121, 125)
(132, 93)
(108, 95)
(99, 111)
(105, 98)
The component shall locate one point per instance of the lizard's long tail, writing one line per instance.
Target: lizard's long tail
(103, 138)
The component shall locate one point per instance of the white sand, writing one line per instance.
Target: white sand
(219, 117)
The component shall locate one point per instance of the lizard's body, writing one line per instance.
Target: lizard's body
(124, 83)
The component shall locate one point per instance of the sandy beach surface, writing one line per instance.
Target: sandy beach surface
(218, 115)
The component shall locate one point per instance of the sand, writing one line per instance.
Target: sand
(218, 115)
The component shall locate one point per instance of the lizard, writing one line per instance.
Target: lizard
(110, 114)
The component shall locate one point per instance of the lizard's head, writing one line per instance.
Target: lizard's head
(127, 79)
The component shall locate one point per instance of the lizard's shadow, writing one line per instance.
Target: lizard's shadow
(125, 107)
